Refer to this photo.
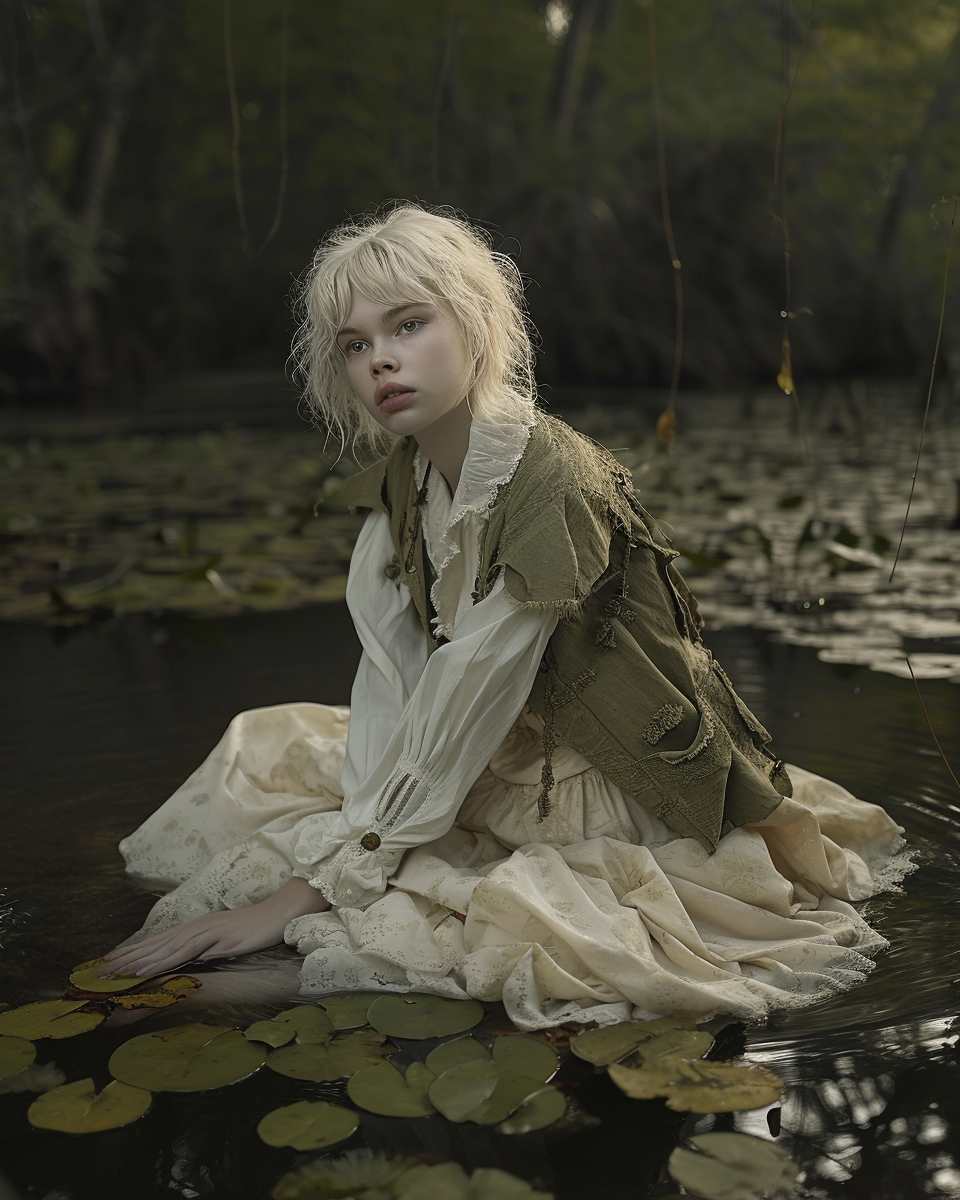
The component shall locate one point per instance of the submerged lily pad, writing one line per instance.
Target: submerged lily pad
(310, 1026)
(539, 1110)
(190, 1058)
(342, 1056)
(452, 1054)
(449, 1181)
(525, 1056)
(349, 1011)
(49, 1019)
(382, 1089)
(732, 1166)
(308, 1125)
(36, 1077)
(78, 1108)
(86, 977)
(16, 1053)
(692, 1085)
(613, 1042)
(419, 1016)
(355, 1173)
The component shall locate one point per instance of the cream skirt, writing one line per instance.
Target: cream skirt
(597, 913)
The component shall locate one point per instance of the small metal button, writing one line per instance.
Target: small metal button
(370, 841)
(411, 570)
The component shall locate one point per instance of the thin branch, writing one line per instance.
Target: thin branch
(933, 371)
(235, 117)
(930, 723)
(284, 150)
(668, 419)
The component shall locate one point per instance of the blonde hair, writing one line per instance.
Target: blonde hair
(413, 254)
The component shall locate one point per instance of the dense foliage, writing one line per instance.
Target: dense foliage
(154, 217)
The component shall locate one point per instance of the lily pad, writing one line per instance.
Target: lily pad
(38, 1077)
(342, 1056)
(449, 1181)
(355, 1173)
(86, 977)
(308, 1125)
(673, 1043)
(420, 1016)
(133, 1000)
(525, 1056)
(310, 1026)
(349, 1011)
(382, 1089)
(452, 1054)
(613, 1042)
(190, 1058)
(692, 1085)
(78, 1108)
(49, 1019)
(732, 1166)
(16, 1053)
(482, 1092)
(539, 1110)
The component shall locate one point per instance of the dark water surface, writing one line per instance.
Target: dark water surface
(100, 725)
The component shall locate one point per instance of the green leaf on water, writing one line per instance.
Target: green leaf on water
(613, 1042)
(357, 1173)
(35, 1078)
(350, 1010)
(539, 1110)
(78, 1108)
(86, 977)
(308, 1125)
(342, 1056)
(692, 1085)
(481, 1092)
(449, 1181)
(382, 1089)
(453, 1053)
(525, 1056)
(310, 1026)
(189, 1058)
(16, 1053)
(421, 1016)
(732, 1166)
(49, 1019)
(672, 1043)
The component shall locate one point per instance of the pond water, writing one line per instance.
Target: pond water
(101, 723)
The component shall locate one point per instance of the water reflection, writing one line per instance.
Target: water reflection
(99, 728)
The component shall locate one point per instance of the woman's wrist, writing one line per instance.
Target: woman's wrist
(296, 898)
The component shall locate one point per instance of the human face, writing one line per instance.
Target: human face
(407, 363)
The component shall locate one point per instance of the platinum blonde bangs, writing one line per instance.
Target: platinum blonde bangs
(410, 255)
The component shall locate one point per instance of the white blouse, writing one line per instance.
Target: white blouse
(424, 725)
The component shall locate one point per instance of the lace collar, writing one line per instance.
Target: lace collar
(493, 452)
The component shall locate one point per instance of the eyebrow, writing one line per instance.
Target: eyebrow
(390, 314)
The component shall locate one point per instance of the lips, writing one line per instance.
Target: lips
(391, 396)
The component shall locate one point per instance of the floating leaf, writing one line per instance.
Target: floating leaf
(342, 1056)
(190, 1058)
(613, 1042)
(419, 1016)
(692, 1085)
(482, 1092)
(449, 1181)
(382, 1089)
(539, 1110)
(35, 1078)
(49, 1019)
(77, 1108)
(349, 1011)
(452, 1054)
(181, 983)
(732, 1166)
(525, 1056)
(310, 1026)
(16, 1053)
(86, 978)
(159, 999)
(308, 1125)
(355, 1173)
(672, 1043)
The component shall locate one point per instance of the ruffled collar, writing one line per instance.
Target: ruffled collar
(493, 452)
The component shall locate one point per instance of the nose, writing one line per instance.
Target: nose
(382, 360)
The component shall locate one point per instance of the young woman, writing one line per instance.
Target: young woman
(545, 790)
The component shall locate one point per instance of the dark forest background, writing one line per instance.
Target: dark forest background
(168, 166)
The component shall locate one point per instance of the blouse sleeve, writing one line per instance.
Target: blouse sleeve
(422, 728)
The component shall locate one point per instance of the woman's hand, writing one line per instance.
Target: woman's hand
(219, 934)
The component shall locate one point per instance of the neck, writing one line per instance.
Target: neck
(445, 443)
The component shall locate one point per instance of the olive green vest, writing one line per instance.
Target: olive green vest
(625, 679)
